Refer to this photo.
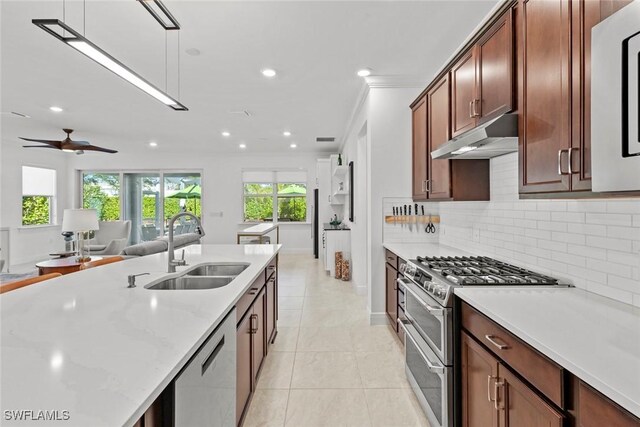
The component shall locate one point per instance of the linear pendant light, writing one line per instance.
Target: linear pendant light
(58, 29)
(169, 22)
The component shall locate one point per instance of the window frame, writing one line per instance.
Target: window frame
(52, 198)
(274, 201)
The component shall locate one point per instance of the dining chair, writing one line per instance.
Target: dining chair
(11, 286)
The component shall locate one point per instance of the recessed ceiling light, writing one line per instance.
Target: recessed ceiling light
(153, 144)
(365, 72)
(56, 109)
(225, 133)
(242, 146)
(293, 145)
(269, 72)
(286, 133)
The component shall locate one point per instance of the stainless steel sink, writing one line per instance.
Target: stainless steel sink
(190, 282)
(218, 270)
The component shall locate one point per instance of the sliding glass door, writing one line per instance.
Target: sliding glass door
(142, 205)
(146, 198)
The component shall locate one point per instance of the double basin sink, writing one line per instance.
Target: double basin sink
(204, 276)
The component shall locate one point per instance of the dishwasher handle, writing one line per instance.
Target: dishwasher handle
(208, 361)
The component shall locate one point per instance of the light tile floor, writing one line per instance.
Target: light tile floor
(328, 367)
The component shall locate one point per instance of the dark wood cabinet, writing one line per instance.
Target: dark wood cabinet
(244, 377)
(544, 59)
(595, 410)
(392, 296)
(479, 376)
(420, 153)
(520, 405)
(495, 70)
(438, 133)
(493, 396)
(463, 93)
(482, 78)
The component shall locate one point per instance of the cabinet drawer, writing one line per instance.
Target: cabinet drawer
(245, 301)
(392, 259)
(271, 269)
(536, 368)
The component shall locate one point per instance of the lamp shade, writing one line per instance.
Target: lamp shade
(79, 220)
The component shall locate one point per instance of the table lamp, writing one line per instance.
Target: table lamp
(80, 221)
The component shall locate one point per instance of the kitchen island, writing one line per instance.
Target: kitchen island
(87, 344)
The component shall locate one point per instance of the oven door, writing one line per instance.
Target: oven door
(431, 381)
(432, 321)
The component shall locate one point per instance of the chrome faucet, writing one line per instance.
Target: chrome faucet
(172, 263)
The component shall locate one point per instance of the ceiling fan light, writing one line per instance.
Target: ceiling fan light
(84, 46)
(66, 150)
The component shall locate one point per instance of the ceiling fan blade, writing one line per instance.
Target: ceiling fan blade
(96, 148)
(40, 146)
(56, 144)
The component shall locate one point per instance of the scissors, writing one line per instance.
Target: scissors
(430, 228)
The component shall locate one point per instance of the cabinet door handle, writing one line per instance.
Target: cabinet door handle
(253, 291)
(470, 109)
(570, 161)
(492, 340)
(253, 330)
(428, 185)
(496, 387)
(423, 184)
(489, 378)
(560, 162)
(475, 112)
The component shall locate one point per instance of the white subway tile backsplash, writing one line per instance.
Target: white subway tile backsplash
(609, 243)
(608, 219)
(592, 244)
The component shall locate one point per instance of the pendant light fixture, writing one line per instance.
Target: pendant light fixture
(160, 12)
(72, 38)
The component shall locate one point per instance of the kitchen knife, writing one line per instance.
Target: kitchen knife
(422, 210)
(405, 209)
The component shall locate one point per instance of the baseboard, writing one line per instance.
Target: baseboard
(378, 319)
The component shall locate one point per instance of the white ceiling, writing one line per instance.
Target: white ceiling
(316, 48)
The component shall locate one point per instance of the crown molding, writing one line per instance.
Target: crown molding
(406, 81)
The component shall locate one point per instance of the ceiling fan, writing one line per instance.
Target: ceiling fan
(67, 144)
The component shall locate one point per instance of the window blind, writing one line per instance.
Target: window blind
(38, 181)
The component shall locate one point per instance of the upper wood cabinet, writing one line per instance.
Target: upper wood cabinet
(464, 93)
(442, 179)
(438, 132)
(544, 59)
(482, 79)
(554, 57)
(495, 68)
(419, 149)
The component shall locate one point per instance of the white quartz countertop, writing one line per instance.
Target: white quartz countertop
(595, 338)
(259, 229)
(87, 344)
(408, 251)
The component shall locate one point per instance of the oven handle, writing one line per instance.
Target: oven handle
(438, 312)
(436, 369)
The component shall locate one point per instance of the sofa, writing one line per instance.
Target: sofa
(161, 244)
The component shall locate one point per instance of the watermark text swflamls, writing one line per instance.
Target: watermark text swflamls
(36, 415)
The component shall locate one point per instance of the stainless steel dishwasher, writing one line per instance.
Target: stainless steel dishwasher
(205, 390)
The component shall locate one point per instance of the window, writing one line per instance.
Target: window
(101, 191)
(38, 192)
(283, 192)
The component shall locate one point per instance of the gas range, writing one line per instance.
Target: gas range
(439, 275)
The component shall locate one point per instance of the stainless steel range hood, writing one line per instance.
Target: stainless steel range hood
(491, 139)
